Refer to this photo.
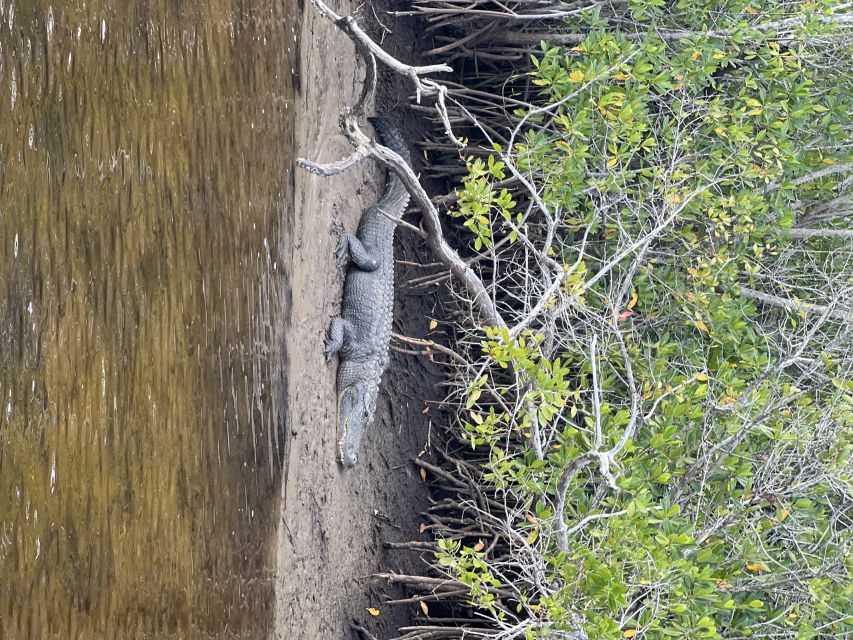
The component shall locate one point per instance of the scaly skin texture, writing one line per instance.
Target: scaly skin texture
(361, 334)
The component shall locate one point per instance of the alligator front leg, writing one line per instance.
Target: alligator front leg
(340, 332)
(350, 248)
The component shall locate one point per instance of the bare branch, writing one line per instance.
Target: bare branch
(804, 233)
(443, 252)
(811, 177)
(845, 315)
(333, 168)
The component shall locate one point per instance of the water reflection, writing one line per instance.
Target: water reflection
(144, 170)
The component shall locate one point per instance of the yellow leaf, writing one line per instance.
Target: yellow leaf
(423, 474)
(612, 162)
(757, 566)
(701, 377)
(531, 519)
(695, 55)
(783, 515)
(479, 546)
(433, 324)
(701, 325)
(373, 611)
(751, 11)
(629, 633)
(620, 76)
(424, 608)
(531, 537)
(577, 75)
(754, 112)
(634, 298)
(828, 161)
(534, 607)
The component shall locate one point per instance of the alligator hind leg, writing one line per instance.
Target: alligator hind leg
(340, 332)
(350, 247)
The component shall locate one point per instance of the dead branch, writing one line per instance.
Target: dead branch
(805, 233)
(364, 633)
(845, 315)
(443, 252)
(429, 344)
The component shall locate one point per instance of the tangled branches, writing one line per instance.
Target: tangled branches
(653, 426)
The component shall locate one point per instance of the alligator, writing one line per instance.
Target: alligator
(360, 335)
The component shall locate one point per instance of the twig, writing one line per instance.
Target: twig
(361, 630)
(402, 223)
(431, 345)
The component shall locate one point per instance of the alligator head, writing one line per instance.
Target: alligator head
(356, 406)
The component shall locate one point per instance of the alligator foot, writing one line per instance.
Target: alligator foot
(339, 332)
(350, 248)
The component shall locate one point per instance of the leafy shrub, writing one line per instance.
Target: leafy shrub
(668, 414)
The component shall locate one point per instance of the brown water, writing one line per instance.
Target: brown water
(145, 166)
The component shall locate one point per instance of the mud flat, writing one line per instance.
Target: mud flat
(334, 522)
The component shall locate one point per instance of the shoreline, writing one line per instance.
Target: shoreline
(333, 523)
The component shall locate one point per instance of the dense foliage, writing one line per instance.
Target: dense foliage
(669, 411)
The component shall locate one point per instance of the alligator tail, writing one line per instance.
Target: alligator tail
(395, 196)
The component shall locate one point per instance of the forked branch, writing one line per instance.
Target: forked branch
(444, 253)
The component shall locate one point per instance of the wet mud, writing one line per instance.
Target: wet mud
(334, 522)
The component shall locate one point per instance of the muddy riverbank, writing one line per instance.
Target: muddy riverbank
(334, 522)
